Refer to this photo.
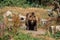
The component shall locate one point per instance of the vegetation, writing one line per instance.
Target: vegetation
(57, 35)
(21, 36)
(18, 36)
(25, 3)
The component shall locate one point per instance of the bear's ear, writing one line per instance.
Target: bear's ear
(33, 13)
(27, 14)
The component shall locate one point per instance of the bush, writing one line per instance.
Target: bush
(25, 3)
(57, 35)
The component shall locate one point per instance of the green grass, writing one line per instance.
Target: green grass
(57, 35)
(18, 36)
(22, 36)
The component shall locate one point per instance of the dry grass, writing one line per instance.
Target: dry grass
(40, 12)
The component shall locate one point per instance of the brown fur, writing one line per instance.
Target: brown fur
(29, 19)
